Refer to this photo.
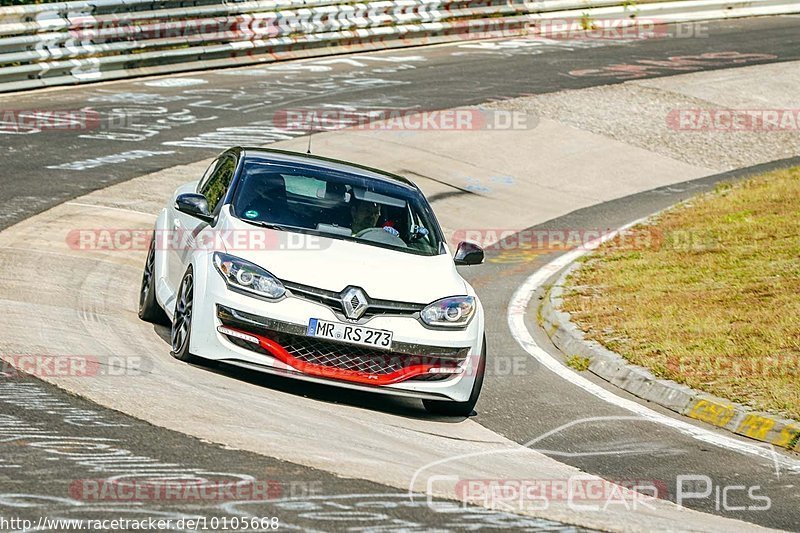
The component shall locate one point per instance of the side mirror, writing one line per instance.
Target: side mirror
(468, 254)
(194, 205)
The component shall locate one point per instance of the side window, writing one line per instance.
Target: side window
(207, 175)
(421, 240)
(216, 186)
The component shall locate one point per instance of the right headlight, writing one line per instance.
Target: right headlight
(453, 312)
(246, 276)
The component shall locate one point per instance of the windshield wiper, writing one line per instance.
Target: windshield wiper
(268, 225)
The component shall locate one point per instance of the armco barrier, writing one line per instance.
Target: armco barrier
(77, 42)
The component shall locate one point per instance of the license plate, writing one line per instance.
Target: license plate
(377, 338)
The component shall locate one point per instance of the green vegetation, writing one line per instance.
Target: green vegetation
(25, 2)
(579, 363)
(712, 298)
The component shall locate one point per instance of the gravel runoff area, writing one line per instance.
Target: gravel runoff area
(642, 114)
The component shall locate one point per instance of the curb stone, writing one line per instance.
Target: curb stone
(640, 382)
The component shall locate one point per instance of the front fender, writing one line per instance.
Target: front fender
(203, 306)
(163, 291)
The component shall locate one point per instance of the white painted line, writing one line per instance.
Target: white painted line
(516, 323)
(174, 82)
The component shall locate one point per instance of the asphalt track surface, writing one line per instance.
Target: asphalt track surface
(184, 124)
(58, 449)
(168, 125)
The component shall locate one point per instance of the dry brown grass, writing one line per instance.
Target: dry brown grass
(714, 301)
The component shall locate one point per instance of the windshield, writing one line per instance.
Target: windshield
(336, 204)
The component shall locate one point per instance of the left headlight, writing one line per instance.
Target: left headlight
(453, 312)
(246, 276)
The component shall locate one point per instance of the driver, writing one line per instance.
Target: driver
(365, 215)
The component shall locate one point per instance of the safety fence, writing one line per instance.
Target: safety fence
(78, 42)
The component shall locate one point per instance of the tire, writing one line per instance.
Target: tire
(461, 409)
(181, 331)
(149, 310)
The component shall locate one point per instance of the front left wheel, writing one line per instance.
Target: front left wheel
(182, 319)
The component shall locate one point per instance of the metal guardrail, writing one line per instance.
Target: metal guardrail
(78, 42)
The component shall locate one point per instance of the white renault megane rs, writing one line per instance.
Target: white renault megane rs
(319, 270)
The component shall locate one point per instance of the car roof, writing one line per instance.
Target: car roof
(286, 156)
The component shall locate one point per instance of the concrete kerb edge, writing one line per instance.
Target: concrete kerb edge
(640, 382)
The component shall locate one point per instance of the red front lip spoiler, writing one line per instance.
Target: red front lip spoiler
(355, 376)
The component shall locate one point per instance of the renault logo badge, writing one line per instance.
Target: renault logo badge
(354, 303)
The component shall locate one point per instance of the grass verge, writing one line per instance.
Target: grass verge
(707, 294)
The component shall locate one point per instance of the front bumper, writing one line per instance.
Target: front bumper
(272, 337)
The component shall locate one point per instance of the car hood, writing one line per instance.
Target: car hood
(334, 264)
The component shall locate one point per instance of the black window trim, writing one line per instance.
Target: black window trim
(208, 173)
(222, 158)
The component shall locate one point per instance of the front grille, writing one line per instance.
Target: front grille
(334, 301)
(346, 357)
(321, 352)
